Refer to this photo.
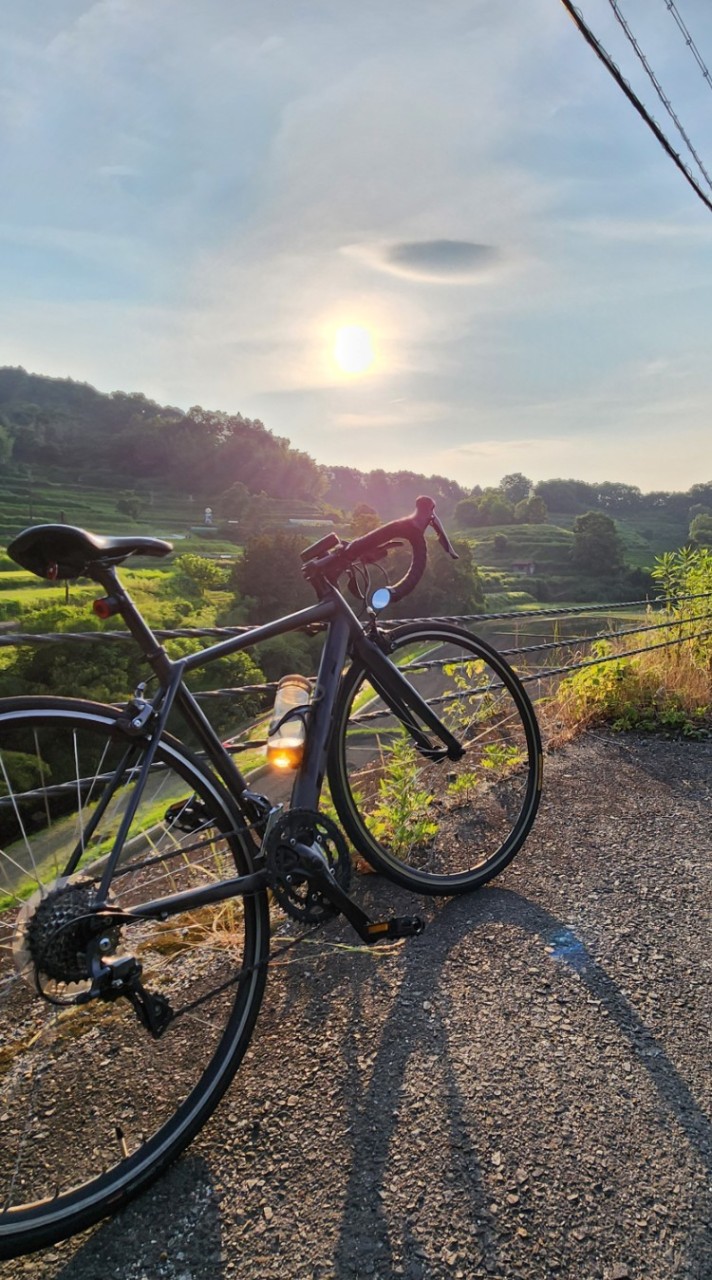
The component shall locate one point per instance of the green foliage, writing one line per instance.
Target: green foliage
(515, 487)
(666, 689)
(531, 510)
(448, 587)
(58, 422)
(701, 530)
(232, 504)
(467, 513)
(129, 505)
(597, 546)
(363, 520)
(195, 575)
(283, 655)
(107, 671)
(620, 693)
(25, 771)
(402, 817)
(269, 574)
(391, 493)
(688, 572)
(501, 542)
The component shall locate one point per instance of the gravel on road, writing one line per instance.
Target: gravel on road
(523, 1092)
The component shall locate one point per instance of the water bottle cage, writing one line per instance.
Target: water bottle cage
(294, 713)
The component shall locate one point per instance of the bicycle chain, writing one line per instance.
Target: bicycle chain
(243, 973)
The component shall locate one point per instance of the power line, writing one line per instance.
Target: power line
(611, 67)
(658, 89)
(673, 10)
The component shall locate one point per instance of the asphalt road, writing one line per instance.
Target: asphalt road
(523, 1092)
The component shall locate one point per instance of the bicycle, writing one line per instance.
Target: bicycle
(134, 915)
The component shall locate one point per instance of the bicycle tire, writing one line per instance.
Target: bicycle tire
(419, 821)
(101, 1090)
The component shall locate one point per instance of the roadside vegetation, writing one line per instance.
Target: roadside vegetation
(666, 689)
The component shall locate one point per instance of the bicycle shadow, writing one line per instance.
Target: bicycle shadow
(365, 1230)
(383, 1035)
(177, 1225)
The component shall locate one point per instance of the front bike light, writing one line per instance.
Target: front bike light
(286, 736)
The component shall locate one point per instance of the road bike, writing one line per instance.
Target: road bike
(138, 876)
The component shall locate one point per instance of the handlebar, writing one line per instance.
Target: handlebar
(371, 547)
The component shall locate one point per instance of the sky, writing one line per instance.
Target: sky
(411, 234)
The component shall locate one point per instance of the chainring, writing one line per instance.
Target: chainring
(293, 889)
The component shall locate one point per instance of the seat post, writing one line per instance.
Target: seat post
(149, 644)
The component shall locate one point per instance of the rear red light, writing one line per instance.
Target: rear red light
(106, 607)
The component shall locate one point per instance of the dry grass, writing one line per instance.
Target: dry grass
(666, 690)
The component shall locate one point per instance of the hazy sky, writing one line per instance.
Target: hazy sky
(196, 198)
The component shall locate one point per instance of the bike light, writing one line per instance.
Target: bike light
(105, 607)
(287, 732)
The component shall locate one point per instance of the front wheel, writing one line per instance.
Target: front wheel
(92, 1106)
(437, 827)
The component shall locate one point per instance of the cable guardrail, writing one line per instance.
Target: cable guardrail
(239, 744)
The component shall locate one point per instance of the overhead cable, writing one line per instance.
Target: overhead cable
(611, 67)
(673, 10)
(658, 89)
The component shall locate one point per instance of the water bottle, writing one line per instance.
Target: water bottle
(286, 737)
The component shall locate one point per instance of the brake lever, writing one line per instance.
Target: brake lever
(443, 539)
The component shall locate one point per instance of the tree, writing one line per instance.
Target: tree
(701, 530)
(363, 520)
(597, 546)
(531, 510)
(196, 574)
(515, 487)
(233, 502)
(467, 513)
(129, 505)
(270, 574)
(448, 587)
(494, 508)
(567, 496)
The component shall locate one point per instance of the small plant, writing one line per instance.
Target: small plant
(501, 758)
(402, 815)
(462, 786)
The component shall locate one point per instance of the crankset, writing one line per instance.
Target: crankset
(291, 875)
(309, 871)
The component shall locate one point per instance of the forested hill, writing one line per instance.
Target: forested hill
(64, 430)
(56, 424)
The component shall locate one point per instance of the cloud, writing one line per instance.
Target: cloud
(450, 261)
(441, 261)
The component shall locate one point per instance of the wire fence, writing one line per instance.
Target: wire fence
(574, 652)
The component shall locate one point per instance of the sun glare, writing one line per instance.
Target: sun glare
(353, 349)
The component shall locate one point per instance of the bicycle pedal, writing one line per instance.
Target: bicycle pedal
(397, 927)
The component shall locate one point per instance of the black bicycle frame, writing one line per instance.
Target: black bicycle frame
(345, 634)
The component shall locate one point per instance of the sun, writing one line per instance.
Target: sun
(353, 349)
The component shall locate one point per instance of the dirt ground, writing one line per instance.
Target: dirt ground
(522, 1092)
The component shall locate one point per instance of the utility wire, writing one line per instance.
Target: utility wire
(612, 69)
(658, 89)
(673, 10)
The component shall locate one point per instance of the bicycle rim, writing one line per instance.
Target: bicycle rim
(92, 1107)
(437, 826)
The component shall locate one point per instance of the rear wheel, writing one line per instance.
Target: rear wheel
(92, 1106)
(437, 827)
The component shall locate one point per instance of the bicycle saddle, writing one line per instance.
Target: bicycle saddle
(58, 551)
